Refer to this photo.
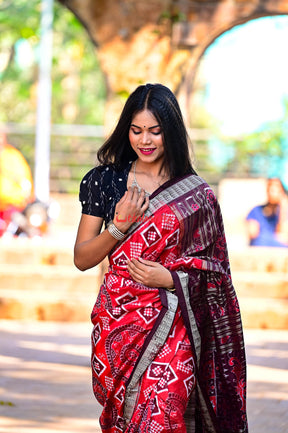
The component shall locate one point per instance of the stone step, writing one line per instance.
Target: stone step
(49, 279)
(15, 305)
(262, 259)
(62, 293)
(261, 284)
(39, 280)
(42, 292)
(68, 279)
(36, 252)
(58, 250)
(264, 313)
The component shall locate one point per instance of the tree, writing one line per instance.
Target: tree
(77, 82)
(78, 88)
(262, 153)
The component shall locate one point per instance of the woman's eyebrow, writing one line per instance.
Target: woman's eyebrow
(139, 127)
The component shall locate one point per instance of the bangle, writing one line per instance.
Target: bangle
(116, 233)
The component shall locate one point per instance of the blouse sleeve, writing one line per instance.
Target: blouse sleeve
(91, 195)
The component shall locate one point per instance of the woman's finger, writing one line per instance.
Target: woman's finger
(130, 193)
(141, 197)
(137, 274)
(135, 196)
(138, 266)
(148, 262)
(132, 267)
(122, 199)
(134, 272)
(145, 204)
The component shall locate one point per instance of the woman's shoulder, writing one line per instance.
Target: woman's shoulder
(106, 170)
(98, 170)
(105, 175)
(98, 173)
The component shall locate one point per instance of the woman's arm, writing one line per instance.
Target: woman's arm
(253, 228)
(282, 226)
(91, 246)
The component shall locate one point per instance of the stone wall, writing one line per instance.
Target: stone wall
(159, 41)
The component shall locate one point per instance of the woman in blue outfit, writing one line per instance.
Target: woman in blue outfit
(267, 224)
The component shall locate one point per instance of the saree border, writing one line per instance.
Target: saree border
(165, 195)
(180, 279)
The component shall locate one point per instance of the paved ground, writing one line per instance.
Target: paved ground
(45, 379)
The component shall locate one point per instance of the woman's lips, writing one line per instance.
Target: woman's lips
(147, 151)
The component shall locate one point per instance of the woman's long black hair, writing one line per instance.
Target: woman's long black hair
(162, 103)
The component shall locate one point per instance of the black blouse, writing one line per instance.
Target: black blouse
(101, 189)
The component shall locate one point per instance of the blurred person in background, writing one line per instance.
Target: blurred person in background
(267, 224)
(16, 182)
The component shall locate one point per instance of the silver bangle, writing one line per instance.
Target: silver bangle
(116, 233)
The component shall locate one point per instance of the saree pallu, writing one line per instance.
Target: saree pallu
(171, 362)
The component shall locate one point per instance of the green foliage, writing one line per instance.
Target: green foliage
(261, 153)
(78, 88)
(174, 16)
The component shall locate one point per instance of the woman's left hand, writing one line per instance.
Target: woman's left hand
(151, 274)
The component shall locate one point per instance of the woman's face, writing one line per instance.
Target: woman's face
(275, 192)
(145, 136)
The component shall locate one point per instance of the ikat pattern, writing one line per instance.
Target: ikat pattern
(185, 235)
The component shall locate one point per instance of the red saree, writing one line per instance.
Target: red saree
(171, 362)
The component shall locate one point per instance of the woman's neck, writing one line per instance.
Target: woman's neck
(147, 176)
(151, 169)
(271, 209)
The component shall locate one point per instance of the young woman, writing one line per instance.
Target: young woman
(267, 224)
(167, 345)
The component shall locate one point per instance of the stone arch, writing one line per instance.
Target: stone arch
(187, 86)
(160, 40)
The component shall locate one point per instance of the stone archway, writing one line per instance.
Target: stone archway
(159, 41)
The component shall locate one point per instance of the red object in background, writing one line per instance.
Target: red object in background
(16, 182)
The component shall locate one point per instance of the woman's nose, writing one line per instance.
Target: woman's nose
(146, 137)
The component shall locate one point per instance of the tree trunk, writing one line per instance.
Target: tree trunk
(159, 41)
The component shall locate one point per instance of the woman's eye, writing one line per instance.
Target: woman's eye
(135, 132)
(156, 132)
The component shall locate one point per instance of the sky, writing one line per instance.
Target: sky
(246, 72)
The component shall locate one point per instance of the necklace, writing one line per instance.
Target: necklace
(135, 183)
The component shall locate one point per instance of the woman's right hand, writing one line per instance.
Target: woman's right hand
(130, 207)
(92, 245)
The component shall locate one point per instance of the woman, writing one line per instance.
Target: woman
(267, 224)
(167, 345)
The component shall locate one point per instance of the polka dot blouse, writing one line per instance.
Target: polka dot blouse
(101, 189)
